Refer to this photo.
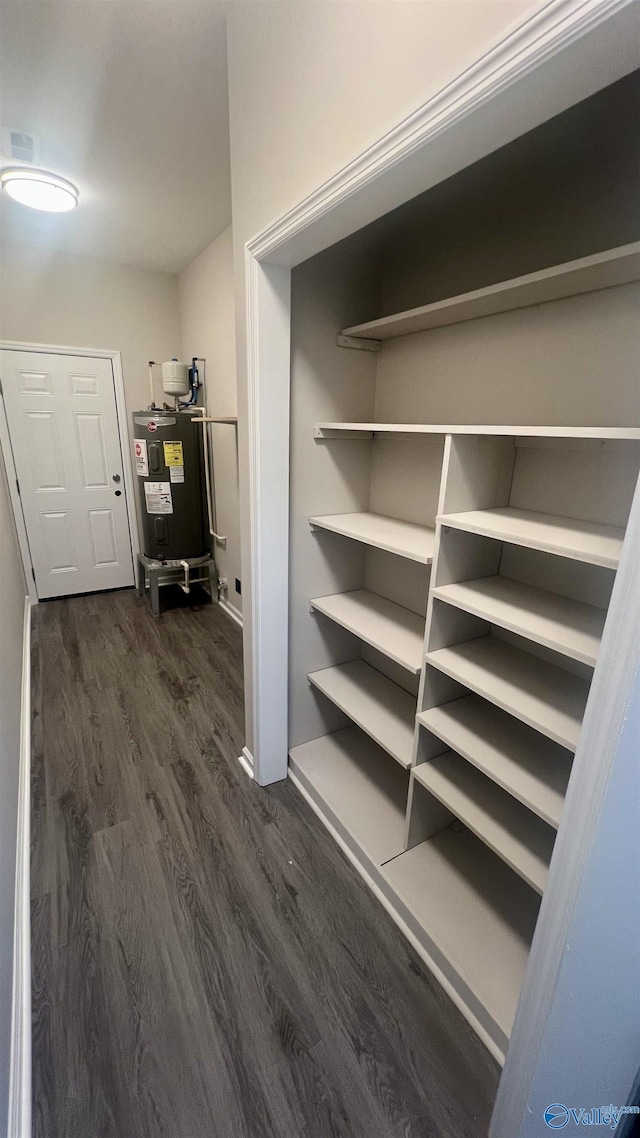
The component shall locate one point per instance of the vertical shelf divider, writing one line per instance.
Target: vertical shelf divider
(476, 474)
(477, 471)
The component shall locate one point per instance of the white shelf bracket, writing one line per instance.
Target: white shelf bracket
(329, 433)
(358, 342)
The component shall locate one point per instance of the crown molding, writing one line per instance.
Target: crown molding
(548, 31)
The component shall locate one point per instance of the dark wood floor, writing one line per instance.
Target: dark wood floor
(206, 963)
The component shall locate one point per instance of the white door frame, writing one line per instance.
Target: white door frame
(565, 52)
(123, 436)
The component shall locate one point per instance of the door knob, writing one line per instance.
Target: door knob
(116, 477)
(118, 493)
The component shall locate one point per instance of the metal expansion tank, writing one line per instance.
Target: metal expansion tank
(169, 464)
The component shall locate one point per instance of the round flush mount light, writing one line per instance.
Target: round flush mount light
(39, 189)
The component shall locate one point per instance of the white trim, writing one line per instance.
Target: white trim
(548, 31)
(19, 1123)
(6, 451)
(125, 450)
(269, 347)
(246, 762)
(401, 923)
(231, 611)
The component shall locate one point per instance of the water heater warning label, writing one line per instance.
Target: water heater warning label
(157, 497)
(142, 462)
(173, 454)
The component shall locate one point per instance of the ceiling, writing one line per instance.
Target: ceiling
(129, 101)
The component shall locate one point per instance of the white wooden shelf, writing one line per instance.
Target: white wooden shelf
(477, 915)
(359, 791)
(532, 768)
(539, 693)
(568, 537)
(516, 835)
(404, 538)
(367, 430)
(601, 270)
(558, 622)
(395, 631)
(381, 708)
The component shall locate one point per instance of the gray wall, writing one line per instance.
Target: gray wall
(12, 595)
(571, 362)
(207, 327)
(79, 302)
(331, 290)
(566, 189)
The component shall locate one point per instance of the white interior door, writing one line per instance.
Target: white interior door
(61, 411)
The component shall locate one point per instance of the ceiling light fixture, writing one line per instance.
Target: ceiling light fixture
(39, 189)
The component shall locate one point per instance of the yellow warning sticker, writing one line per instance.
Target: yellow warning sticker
(173, 454)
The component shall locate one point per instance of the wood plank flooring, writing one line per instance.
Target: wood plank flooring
(206, 963)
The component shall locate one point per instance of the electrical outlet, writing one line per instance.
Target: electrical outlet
(238, 586)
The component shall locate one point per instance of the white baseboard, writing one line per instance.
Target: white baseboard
(19, 1125)
(232, 611)
(246, 761)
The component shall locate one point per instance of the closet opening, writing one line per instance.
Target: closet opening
(464, 455)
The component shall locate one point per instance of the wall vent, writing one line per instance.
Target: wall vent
(22, 146)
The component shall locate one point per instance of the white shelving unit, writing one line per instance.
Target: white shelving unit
(391, 629)
(385, 711)
(362, 792)
(391, 534)
(567, 537)
(505, 659)
(358, 430)
(476, 919)
(448, 788)
(602, 270)
(517, 836)
(520, 760)
(539, 693)
(568, 626)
